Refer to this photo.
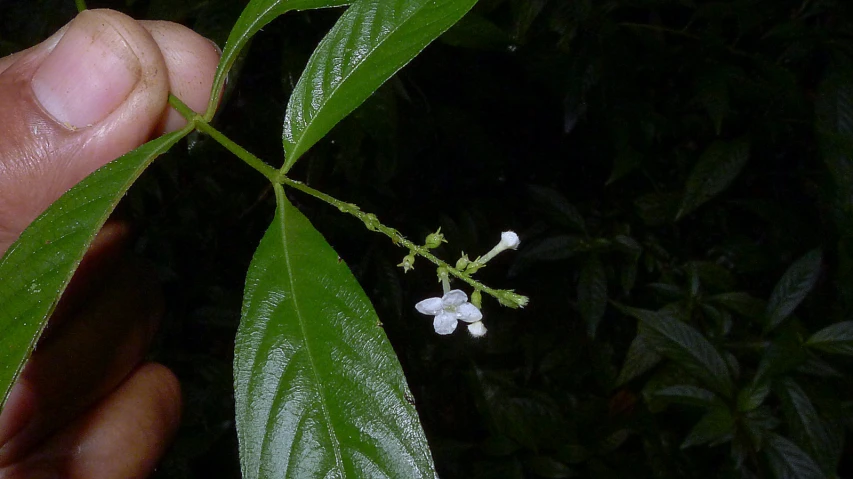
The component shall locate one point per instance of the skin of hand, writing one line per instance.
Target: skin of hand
(86, 404)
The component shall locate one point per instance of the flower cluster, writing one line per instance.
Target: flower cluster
(453, 305)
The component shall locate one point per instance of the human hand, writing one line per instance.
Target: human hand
(84, 406)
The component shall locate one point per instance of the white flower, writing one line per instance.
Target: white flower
(477, 329)
(448, 309)
(510, 240)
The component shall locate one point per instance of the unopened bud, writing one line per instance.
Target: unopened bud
(477, 329)
(509, 240)
(434, 240)
(477, 299)
(462, 263)
(512, 300)
(408, 262)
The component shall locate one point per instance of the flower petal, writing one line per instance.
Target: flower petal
(468, 312)
(453, 298)
(477, 329)
(444, 323)
(431, 306)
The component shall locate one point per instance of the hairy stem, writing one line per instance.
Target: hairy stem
(369, 219)
(203, 126)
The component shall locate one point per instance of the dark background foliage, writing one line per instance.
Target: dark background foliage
(681, 175)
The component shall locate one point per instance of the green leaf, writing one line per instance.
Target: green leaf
(319, 391)
(256, 15)
(38, 266)
(716, 169)
(836, 338)
(810, 431)
(792, 289)
(371, 41)
(686, 346)
(592, 293)
(689, 395)
(741, 303)
(752, 396)
(641, 357)
(715, 427)
(788, 461)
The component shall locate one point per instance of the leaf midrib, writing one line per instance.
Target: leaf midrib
(280, 202)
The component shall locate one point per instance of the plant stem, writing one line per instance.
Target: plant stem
(278, 178)
(396, 237)
(205, 127)
(81, 5)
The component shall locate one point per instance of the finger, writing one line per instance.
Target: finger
(191, 60)
(122, 437)
(83, 359)
(92, 92)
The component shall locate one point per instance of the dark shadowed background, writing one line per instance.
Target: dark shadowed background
(666, 155)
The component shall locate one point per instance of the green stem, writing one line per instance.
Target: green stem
(238, 150)
(203, 126)
(278, 178)
(396, 237)
(81, 5)
(182, 108)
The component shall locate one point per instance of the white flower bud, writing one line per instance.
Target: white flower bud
(477, 330)
(510, 240)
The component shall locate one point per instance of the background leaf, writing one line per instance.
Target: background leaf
(716, 426)
(319, 390)
(38, 266)
(686, 346)
(836, 338)
(790, 291)
(820, 439)
(369, 43)
(592, 293)
(789, 461)
(640, 358)
(256, 15)
(716, 169)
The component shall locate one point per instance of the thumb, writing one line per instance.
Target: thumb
(93, 91)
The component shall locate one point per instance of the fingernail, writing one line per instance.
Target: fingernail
(89, 73)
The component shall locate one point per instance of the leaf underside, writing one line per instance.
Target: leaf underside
(38, 266)
(319, 391)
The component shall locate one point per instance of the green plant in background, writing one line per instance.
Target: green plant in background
(313, 368)
(680, 173)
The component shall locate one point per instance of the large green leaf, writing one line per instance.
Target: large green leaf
(256, 15)
(319, 390)
(686, 346)
(716, 169)
(795, 284)
(369, 43)
(37, 268)
(836, 338)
